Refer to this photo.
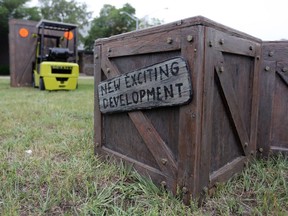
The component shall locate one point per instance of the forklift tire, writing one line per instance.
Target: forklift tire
(41, 84)
(33, 81)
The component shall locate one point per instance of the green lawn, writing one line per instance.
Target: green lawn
(61, 175)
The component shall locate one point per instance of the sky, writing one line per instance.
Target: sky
(266, 20)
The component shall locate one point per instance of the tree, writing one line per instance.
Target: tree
(113, 21)
(16, 9)
(12, 9)
(110, 22)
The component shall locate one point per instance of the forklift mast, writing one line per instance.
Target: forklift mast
(69, 31)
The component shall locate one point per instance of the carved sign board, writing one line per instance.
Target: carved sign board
(162, 84)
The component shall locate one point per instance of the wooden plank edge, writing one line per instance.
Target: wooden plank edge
(158, 177)
(228, 170)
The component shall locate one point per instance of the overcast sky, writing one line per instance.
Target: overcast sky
(267, 20)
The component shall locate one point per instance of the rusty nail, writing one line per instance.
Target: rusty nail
(245, 144)
(221, 69)
(260, 150)
(210, 44)
(189, 38)
(245, 164)
(193, 115)
(267, 68)
(185, 190)
(109, 50)
(250, 48)
(205, 190)
(97, 144)
(284, 70)
(252, 152)
(270, 53)
(221, 41)
(96, 56)
(257, 57)
(195, 50)
(163, 184)
(169, 40)
(108, 70)
(164, 161)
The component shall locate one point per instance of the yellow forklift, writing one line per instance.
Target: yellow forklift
(55, 66)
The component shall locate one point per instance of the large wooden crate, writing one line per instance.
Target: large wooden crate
(273, 116)
(22, 51)
(196, 143)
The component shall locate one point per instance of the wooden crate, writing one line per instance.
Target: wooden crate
(21, 52)
(189, 145)
(273, 117)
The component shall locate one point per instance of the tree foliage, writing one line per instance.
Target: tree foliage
(65, 11)
(113, 21)
(110, 22)
(16, 9)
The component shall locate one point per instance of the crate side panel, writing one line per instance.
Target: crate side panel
(235, 93)
(164, 120)
(279, 122)
(154, 143)
(226, 144)
(273, 119)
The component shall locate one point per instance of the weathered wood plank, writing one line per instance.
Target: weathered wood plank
(228, 170)
(279, 123)
(154, 142)
(267, 84)
(163, 84)
(190, 116)
(181, 24)
(148, 171)
(97, 113)
(161, 42)
(255, 101)
(205, 156)
(231, 44)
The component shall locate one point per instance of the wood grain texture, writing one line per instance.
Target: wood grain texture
(97, 114)
(273, 120)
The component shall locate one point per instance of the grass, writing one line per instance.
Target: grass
(63, 177)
